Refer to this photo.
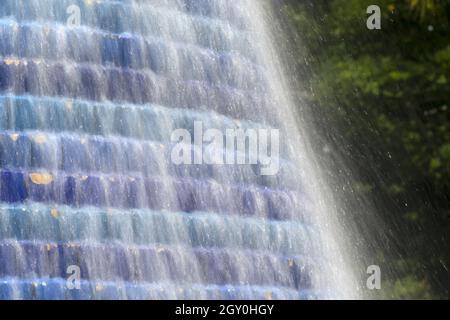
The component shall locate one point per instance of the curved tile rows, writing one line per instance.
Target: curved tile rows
(86, 180)
(157, 193)
(136, 18)
(59, 223)
(70, 152)
(106, 83)
(34, 40)
(56, 288)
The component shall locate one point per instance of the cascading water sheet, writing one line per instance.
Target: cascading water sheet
(86, 179)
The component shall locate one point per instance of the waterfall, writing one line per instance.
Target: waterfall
(87, 112)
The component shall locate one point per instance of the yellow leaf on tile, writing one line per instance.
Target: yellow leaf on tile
(41, 178)
(9, 61)
(14, 136)
(40, 139)
(55, 213)
(291, 263)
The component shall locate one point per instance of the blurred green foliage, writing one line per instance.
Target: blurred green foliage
(388, 92)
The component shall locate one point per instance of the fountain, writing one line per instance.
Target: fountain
(86, 179)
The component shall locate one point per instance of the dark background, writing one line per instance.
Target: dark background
(380, 102)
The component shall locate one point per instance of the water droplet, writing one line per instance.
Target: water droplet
(160, 250)
(69, 105)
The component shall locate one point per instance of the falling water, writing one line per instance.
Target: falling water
(86, 179)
